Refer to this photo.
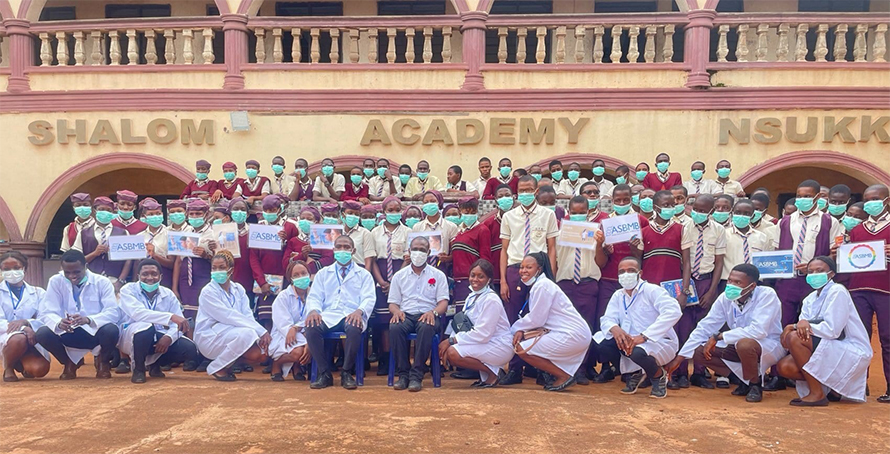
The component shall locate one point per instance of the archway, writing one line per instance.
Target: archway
(9, 227)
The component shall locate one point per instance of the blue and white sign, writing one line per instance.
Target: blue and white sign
(126, 247)
(774, 264)
(621, 229)
(264, 237)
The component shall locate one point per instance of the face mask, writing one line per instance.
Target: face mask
(530, 281)
(84, 280)
(641, 175)
(355, 179)
(724, 172)
(505, 203)
(837, 210)
(822, 204)
(350, 220)
(537, 176)
(592, 203)
(270, 217)
(758, 215)
(526, 199)
(229, 176)
(404, 178)
(304, 225)
(453, 219)
(662, 166)
(381, 172)
(14, 276)
(302, 283)
(220, 277)
(635, 199)
(196, 222)
(418, 258)
(850, 222)
(83, 212)
(343, 257)
(251, 173)
(720, 216)
(804, 204)
(620, 180)
(329, 220)
(666, 213)
(411, 222)
(431, 209)
(104, 217)
(380, 221)
(873, 207)
(369, 224)
(551, 207)
(578, 217)
(240, 217)
(697, 174)
(741, 221)
(698, 218)
(302, 172)
(422, 175)
(149, 287)
(556, 175)
(628, 280)
(201, 175)
(817, 280)
(217, 221)
(647, 205)
(469, 219)
(327, 170)
(154, 220)
(278, 169)
(734, 292)
(505, 171)
(599, 171)
(621, 209)
(125, 214)
(574, 174)
(393, 218)
(176, 218)
(368, 172)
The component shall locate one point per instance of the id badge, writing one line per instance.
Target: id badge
(625, 325)
(450, 311)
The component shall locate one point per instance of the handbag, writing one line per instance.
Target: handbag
(535, 334)
(461, 323)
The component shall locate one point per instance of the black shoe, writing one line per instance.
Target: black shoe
(755, 393)
(155, 371)
(167, 368)
(228, 376)
(415, 385)
(513, 377)
(833, 396)
(465, 374)
(123, 367)
(383, 367)
(884, 398)
(298, 374)
(774, 384)
(203, 366)
(722, 382)
(683, 382)
(544, 379)
(277, 377)
(581, 378)
(138, 376)
(708, 374)
(659, 386)
(347, 381)
(700, 381)
(645, 383)
(605, 376)
(322, 381)
(400, 384)
(672, 384)
(734, 380)
(632, 383)
(189, 366)
(372, 357)
(237, 369)
(530, 372)
(266, 370)
(571, 381)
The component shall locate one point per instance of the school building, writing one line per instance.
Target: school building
(101, 95)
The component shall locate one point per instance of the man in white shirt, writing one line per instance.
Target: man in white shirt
(697, 184)
(79, 314)
(484, 175)
(281, 183)
(341, 299)
(418, 297)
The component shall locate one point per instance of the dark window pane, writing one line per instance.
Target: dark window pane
(625, 7)
(517, 7)
(127, 11)
(834, 6)
(410, 8)
(731, 6)
(309, 8)
(212, 10)
(522, 7)
(58, 13)
(305, 40)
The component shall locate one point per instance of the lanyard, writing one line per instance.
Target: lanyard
(151, 302)
(525, 304)
(299, 302)
(16, 298)
(341, 279)
(821, 297)
(77, 292)
(475, 297)
(624, 300)
(231, 300)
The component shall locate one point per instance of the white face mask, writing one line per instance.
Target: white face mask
(418, 258)
(628, 280)
(14, 276)
(531, 281)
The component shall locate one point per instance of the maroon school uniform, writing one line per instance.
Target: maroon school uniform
(353, 193)
(254, 190)
(102, 264)
(494, 228)
(293, 251)
(871, 290)
(304, 190)
(598, 216)
(263, 262)
(229, 190)
(194, 188)
(654, 183)
(242, 273)
(467, 247)
(491, 187)
(878, 281)
(662, 253)
(132, 228)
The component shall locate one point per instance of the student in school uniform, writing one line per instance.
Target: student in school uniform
(724, 185)
(288, 345)
(421, 183)
(484, 175)
(435, 221)
(405, 174)
(535, 171)
(641, 171)
(79, 314)
(622, 175)
(759, 221)
(383, 184)
(281, 182)
(456, 188)
(505, 167)
(697, 184)
(591, 192)
(665, 245)
(871, 290)
(236, 211)
(93, 243)
(525, 229)
(546, 198)
(742, 240)
(361, 237)
(662, 180)
(681, 197)
(723, 205)
(839, 198)
(855, 215)
(19, 321)
(789, 207)
(505, 203)
(472, 243)
(571, 185)
(156, 239)
(191, 274)
(599, 170)
(556, 173)
(229, 185)
(297, 246)
(267, 263)
(647, 203)
(126, 213)
(328, 186)
(822, 202)
(255, 186)
(201, 185)
(356, 188)
(578, 275)
(303, 185)
(766, 216)
(369, 169)
(83, 211)
(176, 215)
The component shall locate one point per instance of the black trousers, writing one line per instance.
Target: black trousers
(144, 344)
(315, 340)
(105, 338)
(398, 342)
(609, 351)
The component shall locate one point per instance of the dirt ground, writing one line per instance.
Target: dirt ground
(188, 412)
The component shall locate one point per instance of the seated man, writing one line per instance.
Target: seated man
(341, 299)
(152, 324)
(638, 328)
(750, 345)
(79, 314)
(418, 296)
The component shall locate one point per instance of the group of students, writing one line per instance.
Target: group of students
(526, 301)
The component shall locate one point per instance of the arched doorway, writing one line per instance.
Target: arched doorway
(9, 227)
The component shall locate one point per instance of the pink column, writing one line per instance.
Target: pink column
(698, 40)
(19, 54)
(473, 32)
(235, 29)
(34, 252)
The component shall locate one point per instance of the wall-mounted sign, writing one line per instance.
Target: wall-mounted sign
(161, 131)
(469, 131)
(768, 130)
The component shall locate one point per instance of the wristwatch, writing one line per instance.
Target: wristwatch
(452, 341)
(687, 292)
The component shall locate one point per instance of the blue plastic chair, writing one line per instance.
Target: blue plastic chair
(359, 360)
(436, 369)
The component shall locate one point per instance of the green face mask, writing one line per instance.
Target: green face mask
(697, 174)
(369, 223)
(304, 225)
(104, 217)
(149, 287)
(724, 172)
(592, 203)
(196, 223)
(469, 219)
(647, 205)
(403, 178)
(822, 203)
(355, 179)
(741, 221)
(329, 220)
(635, 199)
(556, 175)
(804, 204)
(411, 222)
(621, 209)
(758, 215)
(393, 218)
(817, 280)
(125, 214)
(240, 217)
(573, 175)
(351, 220)
(873, 207)
(666, 213)
(369, 172)
(698, 218)
(578, 217)
(302, 282)
(599, 171)
(278, 169)
(422, 175)
(720, 216)
(201, 175)
(251, 173)
(505, 171)
(381, 172)
(220, 277)
(343, 257)
(229, 176)
(505, 203)
(155, 220)
(620, 180)
(302, 173)
(850, 222)
(837, 210)
(663, 166)
(271, 218)
(83, 212)
(526, 199)
(431, 209)
(641, 175)
(733, 292)
(217, 221)
(453, 219)
(537, 176)
(176, 218)
(327, 170)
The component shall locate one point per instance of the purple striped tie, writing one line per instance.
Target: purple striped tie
(388, 255)
(745, 246)
(528, 234)
(798, 251)
(699, 253)
(576, 275)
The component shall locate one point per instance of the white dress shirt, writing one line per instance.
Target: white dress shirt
(418, 293)
(335, 297)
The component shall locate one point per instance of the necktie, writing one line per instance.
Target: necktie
(102, 238)
(699, 253)
(380, 188)
(798, 251)
(528, 234)
(745, 246)
(280, 182)
(343, 272)
(188, 261)
(576, 274)
(388, 255)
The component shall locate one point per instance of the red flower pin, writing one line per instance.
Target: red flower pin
(432, 281)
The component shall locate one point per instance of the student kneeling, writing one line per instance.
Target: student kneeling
(418, 296)
(750, 346)
(153, 324)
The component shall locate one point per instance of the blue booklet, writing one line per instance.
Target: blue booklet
(675, 288)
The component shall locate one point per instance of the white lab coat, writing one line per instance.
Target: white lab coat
(26, 309)
(841, 365)
(334, 299)
(649, 311)
(97, 301)
(760, 320)
(490, 341)
(139, 315)
(569, 338)
(225, 328)
(288, 310)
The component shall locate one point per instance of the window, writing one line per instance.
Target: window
(127, 11)
(58, 13)
(309, 8)
(731, 6)
(324, 39)
(834, 6)
(531, 41)
(410, 8)
(212, 10)
(626, 7)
